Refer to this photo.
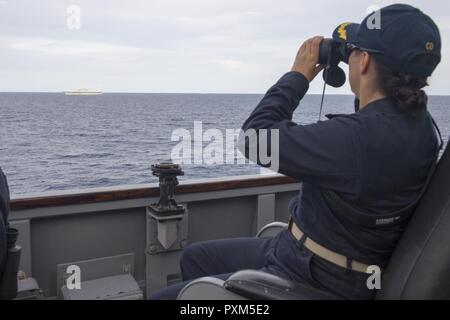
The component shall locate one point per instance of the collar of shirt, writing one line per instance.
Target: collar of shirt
(380, 106)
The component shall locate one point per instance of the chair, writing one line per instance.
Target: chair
(417, 269)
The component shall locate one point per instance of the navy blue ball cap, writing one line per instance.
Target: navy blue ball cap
(399, 36)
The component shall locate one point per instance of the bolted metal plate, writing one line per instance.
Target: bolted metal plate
(166, 235)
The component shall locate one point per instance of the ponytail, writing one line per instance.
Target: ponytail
(404, 89)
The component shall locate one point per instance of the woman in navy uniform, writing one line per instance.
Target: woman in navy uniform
(361, 173)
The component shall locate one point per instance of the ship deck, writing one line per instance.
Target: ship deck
(108, 230)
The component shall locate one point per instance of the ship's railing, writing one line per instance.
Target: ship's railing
(96, 195)
(104, 227)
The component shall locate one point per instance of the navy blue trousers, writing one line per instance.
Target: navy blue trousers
(218, 258)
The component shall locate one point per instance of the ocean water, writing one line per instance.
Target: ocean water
(49, 141)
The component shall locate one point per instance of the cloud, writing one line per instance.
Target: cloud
(59, 47)
(175, 45)
(232, 64)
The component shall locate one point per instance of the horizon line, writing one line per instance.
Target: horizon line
(199, 93)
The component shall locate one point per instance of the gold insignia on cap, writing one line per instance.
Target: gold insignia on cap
(429, 46)
(342, 30)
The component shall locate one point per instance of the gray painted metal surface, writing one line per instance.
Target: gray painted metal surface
(59, 235)
(97, 268)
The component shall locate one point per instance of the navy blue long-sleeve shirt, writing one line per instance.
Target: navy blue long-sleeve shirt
(376, 159)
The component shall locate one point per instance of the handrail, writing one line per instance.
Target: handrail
(96, 195)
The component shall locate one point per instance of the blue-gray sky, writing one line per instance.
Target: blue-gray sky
(229, 46)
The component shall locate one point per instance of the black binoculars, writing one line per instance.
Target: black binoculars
(331, 53)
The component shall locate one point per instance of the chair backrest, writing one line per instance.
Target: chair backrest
(420, 265)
